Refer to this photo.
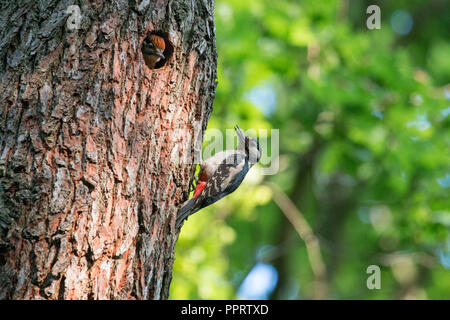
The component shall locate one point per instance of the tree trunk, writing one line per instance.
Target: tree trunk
(90, 175)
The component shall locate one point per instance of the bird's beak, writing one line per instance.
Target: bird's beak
(159, 54)
(240, 133)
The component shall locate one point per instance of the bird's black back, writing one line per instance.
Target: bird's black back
(216, 187)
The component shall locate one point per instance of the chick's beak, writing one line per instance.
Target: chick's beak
(159, 54)
(152, 52)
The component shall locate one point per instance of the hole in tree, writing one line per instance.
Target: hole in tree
(150, 58)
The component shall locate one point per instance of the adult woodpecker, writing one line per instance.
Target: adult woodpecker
(152, 49)
(221, 174)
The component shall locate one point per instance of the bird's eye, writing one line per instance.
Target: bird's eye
(157, 44)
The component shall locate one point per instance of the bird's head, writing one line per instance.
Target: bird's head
(249, 145)
(154, 46)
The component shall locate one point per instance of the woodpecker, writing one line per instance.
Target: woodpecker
(221, 174)
(152, 49)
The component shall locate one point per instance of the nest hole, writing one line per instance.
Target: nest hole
(168, 50)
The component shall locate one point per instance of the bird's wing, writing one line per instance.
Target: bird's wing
(225, 179)
(209, 166)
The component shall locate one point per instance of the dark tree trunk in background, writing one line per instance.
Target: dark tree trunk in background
(89, 182)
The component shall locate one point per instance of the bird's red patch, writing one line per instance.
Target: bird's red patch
(199, 188)
(158, 41)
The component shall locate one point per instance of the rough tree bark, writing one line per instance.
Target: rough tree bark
(89, 140)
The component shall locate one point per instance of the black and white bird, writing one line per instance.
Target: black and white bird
(221, 174)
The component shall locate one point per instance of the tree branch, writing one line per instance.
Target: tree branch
(305, 232)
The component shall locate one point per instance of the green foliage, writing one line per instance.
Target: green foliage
(364, 151)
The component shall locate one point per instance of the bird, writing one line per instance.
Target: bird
(220, 175)
(153, 48)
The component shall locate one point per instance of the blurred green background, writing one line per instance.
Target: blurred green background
(364, 154)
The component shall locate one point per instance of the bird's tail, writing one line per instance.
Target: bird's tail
(184, 212)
